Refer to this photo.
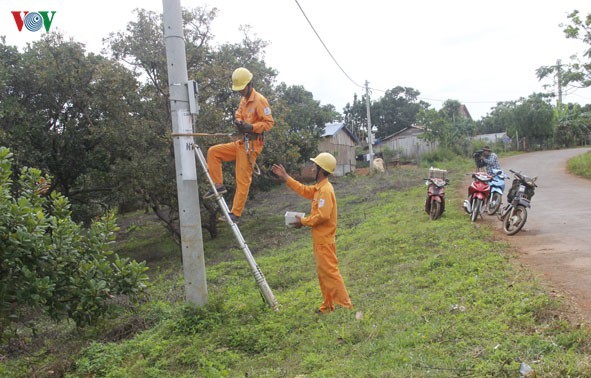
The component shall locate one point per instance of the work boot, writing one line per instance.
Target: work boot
(235, 218)
(221, 190)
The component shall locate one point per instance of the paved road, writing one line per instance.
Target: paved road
(556, 240)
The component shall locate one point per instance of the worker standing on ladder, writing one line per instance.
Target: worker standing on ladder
(323, 221)
(252, 119)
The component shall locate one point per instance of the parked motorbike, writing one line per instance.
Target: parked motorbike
(514, 215)
(497, 188)
(478, 194)
(435, 202)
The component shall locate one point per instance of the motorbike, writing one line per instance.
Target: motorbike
(514, 215)
(478, 194)
(435, 202)
(497, 188)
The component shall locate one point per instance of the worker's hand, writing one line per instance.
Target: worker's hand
(242, 126)
(298, 222)
(280, 171)
(239, 125)
(247, 127)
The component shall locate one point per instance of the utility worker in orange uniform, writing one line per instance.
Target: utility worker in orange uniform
(252, 119)
(323, 221)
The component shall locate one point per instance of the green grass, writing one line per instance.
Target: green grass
(439, 299)
(580, 165)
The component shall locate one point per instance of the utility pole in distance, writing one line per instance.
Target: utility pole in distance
(559, 83)
(369, 131)
(183, 106)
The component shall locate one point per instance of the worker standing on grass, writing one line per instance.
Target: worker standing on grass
(252, 119)
(323, 221)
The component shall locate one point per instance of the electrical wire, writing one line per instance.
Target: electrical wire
(325, 47)
(438, 100)
(370, 88)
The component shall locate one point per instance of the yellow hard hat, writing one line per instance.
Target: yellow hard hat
(240, 78)
(325, 161)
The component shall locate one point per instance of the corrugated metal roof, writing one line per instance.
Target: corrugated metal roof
(331, 129)
(418, 129)
(490, 136)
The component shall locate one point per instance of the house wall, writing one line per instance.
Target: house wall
(410, 146)
(343, 148)
(490, 138)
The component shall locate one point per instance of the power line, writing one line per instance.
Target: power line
(578, 95)
(438, 100)
(325, 47)
(361, 86)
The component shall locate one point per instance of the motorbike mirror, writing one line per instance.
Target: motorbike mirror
(535, 178)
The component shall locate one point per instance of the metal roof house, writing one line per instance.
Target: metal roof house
(493, 138)
(341, 142)
(408, 143)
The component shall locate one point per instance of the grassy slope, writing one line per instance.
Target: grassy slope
(580, 165)
(439, 299)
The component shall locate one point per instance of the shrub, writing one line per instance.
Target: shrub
(439, 155)
(51, 264)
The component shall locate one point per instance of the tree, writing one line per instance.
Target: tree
(576, 73)
(48, 262)
(141, 47)
(355, 117)
(304, 122)
(573, 126)
(71, 114)
(500, 119)
(396, 110)
(534, 120)
(447, 126)
(437, 127)
(531, 118)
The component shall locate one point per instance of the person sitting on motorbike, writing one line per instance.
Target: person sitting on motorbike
(490, 159)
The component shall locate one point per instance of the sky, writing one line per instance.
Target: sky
(479, 53)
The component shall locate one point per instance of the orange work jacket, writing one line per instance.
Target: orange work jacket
(255, 110)
(323, 215)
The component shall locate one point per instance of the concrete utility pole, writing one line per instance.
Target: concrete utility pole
(369, 131)
(182, 106)
(559, 83)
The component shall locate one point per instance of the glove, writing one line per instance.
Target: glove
(239, 125)
(247, 127)
(243, 127)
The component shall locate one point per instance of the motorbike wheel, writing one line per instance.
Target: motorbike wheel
(494, 203)
(515, 220)
(476, 205)
(435, 211)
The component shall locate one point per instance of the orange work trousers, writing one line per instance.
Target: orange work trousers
(331, 283)
(234, 151)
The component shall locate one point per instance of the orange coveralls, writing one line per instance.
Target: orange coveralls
(256, 111)
(323, 221)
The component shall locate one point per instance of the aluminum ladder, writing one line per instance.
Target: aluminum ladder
(264, 288)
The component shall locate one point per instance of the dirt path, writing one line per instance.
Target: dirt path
(556, 240)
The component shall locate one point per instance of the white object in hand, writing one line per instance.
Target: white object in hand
(290, 217)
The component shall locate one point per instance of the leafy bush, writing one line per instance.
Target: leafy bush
(439, 155)
(51, 264)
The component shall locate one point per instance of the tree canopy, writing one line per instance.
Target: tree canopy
(577, 72)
